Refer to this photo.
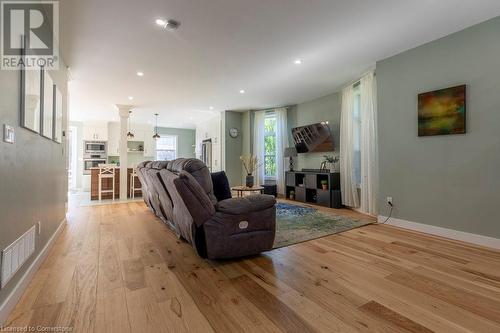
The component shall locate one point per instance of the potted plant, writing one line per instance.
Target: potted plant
(250, 163)
(324, 184)
(292, 195)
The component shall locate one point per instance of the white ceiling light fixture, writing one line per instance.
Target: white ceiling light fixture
(131, 98)
(167, 24)
(297, 62)
(140, 73)
(210, 107)
(242, 91)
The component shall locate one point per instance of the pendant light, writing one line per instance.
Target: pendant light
(130, 135)
(156, 136)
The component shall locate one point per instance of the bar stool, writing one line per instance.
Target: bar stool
(133, 189)
(107, 171)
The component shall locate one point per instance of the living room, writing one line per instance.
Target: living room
(285, 166)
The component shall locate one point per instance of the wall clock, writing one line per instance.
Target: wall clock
(233, 132)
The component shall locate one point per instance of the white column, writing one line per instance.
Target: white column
(123, 110)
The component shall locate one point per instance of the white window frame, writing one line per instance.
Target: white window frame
(176, 145)
(266, 177)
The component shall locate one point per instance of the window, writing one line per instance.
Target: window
(357, 135)
(270, 146)
(166, 148)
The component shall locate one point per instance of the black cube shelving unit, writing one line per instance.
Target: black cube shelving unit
(307, 187)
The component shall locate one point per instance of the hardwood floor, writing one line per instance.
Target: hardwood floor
(116, 268)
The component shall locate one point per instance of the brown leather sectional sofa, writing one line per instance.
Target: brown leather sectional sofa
(180, 192)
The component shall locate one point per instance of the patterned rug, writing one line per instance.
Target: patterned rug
(296, 224)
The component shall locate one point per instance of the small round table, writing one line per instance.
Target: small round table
(240, 189)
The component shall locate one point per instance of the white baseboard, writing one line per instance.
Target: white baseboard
(444, 232)
(11, 301)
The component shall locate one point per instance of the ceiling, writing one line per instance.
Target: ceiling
(223, 46)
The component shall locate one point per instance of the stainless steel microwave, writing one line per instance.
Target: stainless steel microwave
(95, 147)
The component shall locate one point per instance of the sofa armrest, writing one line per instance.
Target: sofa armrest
(251, 203)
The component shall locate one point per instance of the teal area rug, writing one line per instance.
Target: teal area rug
(296, 223)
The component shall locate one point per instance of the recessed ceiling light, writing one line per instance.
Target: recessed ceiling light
(140, 73)
(161, 22)
(131, 97)
(298, 61)
(211, 107)
(170, 24)
(242, 91)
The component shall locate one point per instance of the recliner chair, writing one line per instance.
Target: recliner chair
(181, 193)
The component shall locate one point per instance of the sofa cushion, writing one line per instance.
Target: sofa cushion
(251, 203)
(197, 202)
(222, 191)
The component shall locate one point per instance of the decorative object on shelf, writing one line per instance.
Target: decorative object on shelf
(156, 135)
(292, 195)
(290, 152)
(442, 112)
(130, 135)
(329, 159)
(250, 163)
(324, 184)
(233, 132)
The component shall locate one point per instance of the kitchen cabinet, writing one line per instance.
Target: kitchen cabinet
(149, 145)
(95, 132)
(113, 139)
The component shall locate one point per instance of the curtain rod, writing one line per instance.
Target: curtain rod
(353, 83)
(272, 109)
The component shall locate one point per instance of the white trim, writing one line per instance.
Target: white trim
(11, 301)
(443, 232)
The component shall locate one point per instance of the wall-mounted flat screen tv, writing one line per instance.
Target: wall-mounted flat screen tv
(313, 138)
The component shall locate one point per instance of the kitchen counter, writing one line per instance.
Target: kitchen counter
(107, 184)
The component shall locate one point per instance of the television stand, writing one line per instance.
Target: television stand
(306, 186)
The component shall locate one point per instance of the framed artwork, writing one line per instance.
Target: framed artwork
(58, 114)
(31, 99)
(442, 112)
(47, 106)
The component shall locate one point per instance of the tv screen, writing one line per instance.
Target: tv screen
(313, 138)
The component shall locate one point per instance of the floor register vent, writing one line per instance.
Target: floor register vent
(16, 254)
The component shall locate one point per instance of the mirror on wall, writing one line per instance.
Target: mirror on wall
(31, 98)
(48, 106)
(58, 114)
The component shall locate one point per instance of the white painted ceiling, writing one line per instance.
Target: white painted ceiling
(223, 46)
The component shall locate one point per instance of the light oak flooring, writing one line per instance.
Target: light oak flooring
(116, 268)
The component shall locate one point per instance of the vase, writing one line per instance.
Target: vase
(249, 181)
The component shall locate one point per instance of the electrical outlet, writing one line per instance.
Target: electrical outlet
(389, 201)
(39, 225)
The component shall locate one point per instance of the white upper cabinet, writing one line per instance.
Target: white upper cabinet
(114, 139)
(149, 144)
(95, 132)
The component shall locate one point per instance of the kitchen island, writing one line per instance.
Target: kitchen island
(107, 184)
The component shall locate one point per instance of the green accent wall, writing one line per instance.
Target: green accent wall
(449, 181)
(325, 108)
(186, 139)
(233, 147)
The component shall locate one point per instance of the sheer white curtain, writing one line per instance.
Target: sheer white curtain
(281, 144)
(347, 137)
(258, 144)
(369, 144)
